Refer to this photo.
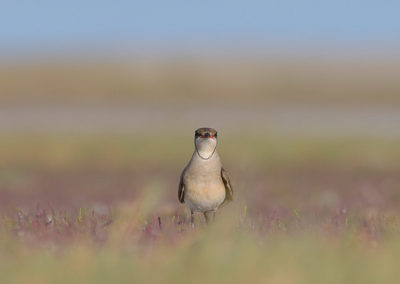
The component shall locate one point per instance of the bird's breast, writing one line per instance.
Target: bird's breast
(204, 189)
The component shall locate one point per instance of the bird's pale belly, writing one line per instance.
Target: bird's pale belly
(204, 196)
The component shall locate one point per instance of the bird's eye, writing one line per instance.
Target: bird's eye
(216, 135)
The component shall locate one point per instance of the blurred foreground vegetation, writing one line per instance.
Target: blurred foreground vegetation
(224, 252)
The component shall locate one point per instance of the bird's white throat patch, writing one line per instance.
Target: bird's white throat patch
(205, 147)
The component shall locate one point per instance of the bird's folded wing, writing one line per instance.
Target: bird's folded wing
(228, 186)
(181, 190)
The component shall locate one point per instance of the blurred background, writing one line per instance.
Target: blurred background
(100, 99)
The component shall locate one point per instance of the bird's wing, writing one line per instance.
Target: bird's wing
(228, 186)
(181, 189)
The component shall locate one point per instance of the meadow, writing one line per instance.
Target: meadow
(89, 206)
(97, 209)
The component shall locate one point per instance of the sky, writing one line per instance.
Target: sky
(52, 24)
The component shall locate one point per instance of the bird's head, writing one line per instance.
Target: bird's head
(205, 140)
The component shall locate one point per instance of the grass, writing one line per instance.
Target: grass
(99, 208)
(135, 248)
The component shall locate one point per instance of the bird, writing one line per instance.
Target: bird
(204, 184)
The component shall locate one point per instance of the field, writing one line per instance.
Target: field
(88, 189)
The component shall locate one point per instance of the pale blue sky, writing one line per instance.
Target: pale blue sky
(51, 24)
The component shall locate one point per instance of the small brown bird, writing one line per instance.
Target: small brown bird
(204, 184)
